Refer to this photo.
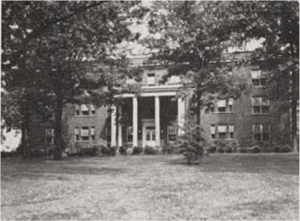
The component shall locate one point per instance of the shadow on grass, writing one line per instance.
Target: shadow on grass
(249, 163)
(39, 169)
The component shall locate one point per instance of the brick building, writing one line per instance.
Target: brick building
(155, 117)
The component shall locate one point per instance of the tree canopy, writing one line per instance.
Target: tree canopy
(49, 47)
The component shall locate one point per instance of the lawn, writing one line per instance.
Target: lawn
(163, 187)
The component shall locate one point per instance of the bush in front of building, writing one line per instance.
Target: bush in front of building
(286, 148)
(212, 148)
(168, 148)
(123, 150)
(149, 150)
(137, 150)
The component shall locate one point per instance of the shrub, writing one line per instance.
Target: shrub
(212, 148)
(110, 151)
(276, 149)
(286, 148)
(168, 149)
(149, 150)
(123, 150)
(228, 149)
(243, 150)
(221, 149)
(137, 150)
(255, 149)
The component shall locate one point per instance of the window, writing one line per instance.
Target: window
(258, 78)
(172, 132)
(260, 105)
(93, 132)
(225, 106)
(77, 134)
(130, 134)
(222, 131)
(84, 110)
(93, 111)
(85, 133)
(261, 132)
(151, 79)
(231, 131)
(213, 131)
(49, 136)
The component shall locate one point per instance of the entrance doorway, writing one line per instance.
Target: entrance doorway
(148, 133)
(150, 136)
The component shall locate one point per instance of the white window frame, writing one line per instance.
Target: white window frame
(260, 104)
(261, 132)
(258, 75)
(172, 130)
(224, 103)
(151, 79)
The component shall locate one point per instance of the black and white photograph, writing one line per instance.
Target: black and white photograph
(149, 110)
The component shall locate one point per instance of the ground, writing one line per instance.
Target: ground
(163, 187)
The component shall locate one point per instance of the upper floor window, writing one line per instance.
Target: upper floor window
(260, 105)
(258, 78)
(49, 136)
(84, 110)
(261, 132)
(224, 106)
(151, 79)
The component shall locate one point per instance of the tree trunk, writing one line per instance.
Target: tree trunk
(58, 139)
(198, 122)
(294, 104)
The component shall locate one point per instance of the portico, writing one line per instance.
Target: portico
(150, 117)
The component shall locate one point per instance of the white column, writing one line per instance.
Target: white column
(120, 141)
(135, 121)
(180, 115)
(113, 127)
(157, 121)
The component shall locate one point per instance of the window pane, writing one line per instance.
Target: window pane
(84, 131)
(256, 109)
(212, 129)
(265, 101)
(255, 74)
(221, 109)
(256, 101)
(256, 129)
(222, 128)
(231, 128)
(257, 137)
(266, 136)
(221, 103)
(255, 82)
(151, 79)
(265, 109)
(222, 135)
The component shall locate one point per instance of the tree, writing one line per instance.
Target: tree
(277, 24)
(47, 47)
(193, 37)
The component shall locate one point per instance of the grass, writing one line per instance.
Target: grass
(163, 187)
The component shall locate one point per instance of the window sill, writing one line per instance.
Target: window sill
(85, 115)
(226, 112)
(260, 113)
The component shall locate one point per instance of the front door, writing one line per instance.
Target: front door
(150, 136)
